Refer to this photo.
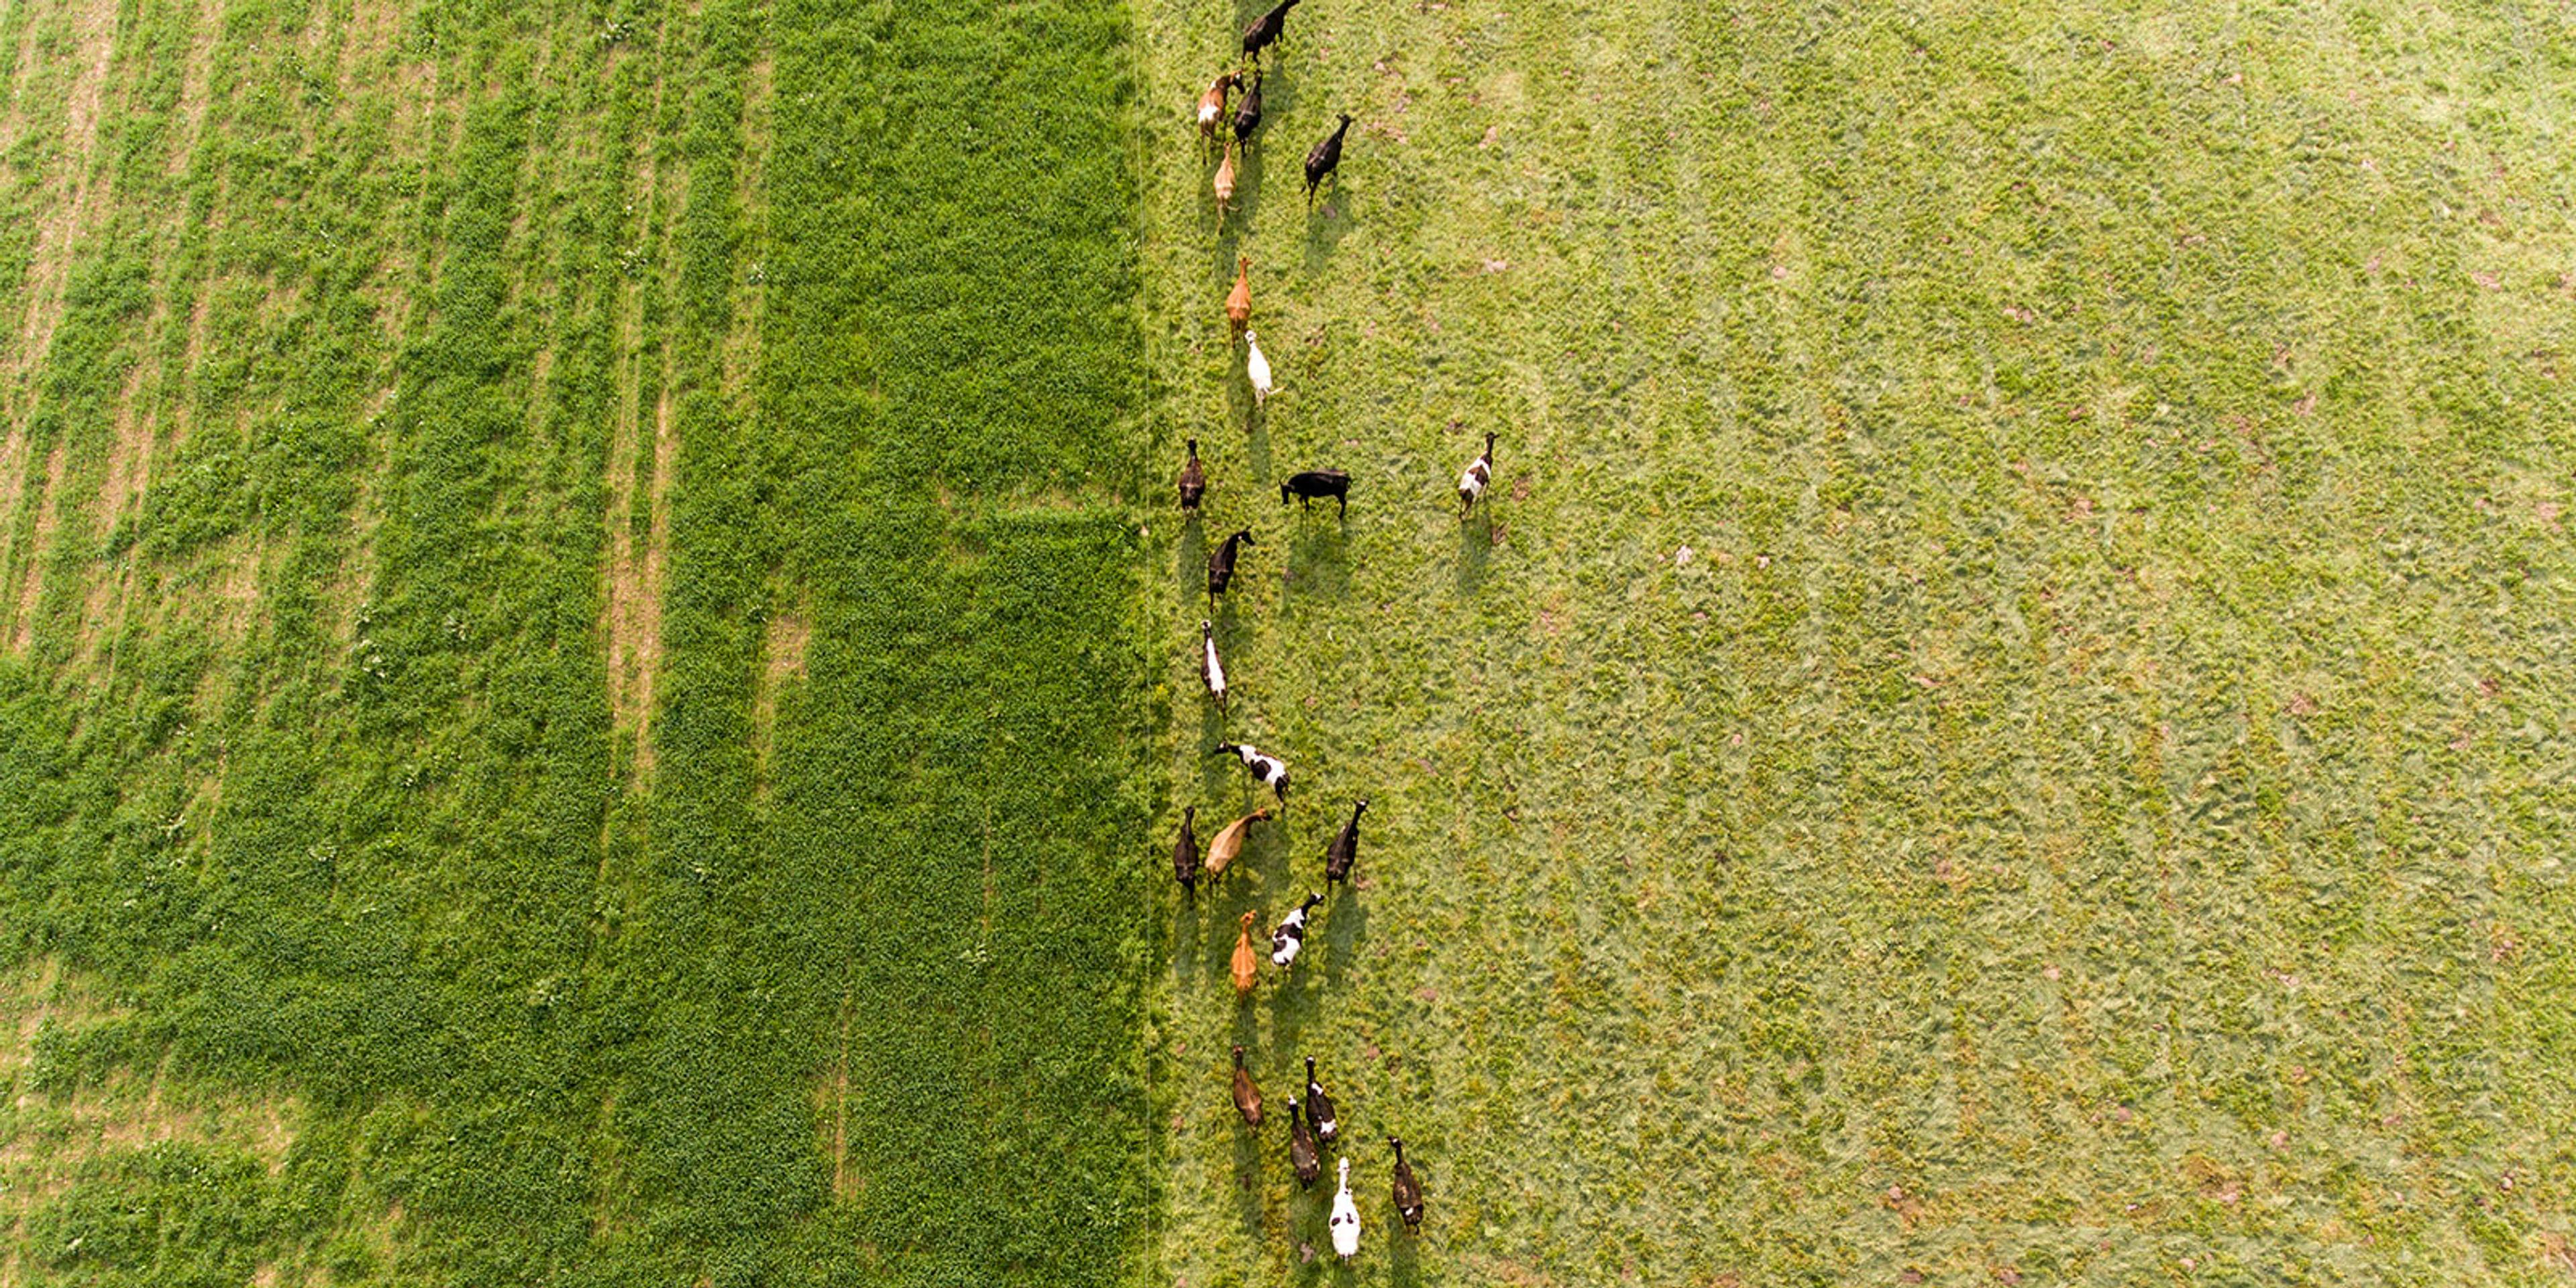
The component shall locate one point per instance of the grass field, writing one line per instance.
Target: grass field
(2009, 718)
(595, 661)
(542, 542)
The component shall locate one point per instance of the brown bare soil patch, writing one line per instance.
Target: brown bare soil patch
(25, 1003)
(783, 648)
(782, 653)
(48, 517)
(648, 616)
(47, 1137)
(13, 122)
(541, 371)
(200, 313)
(370, 63)
(13, 485)
(367, 48)
(832, 1099)
(79, 190)
(625, 577)
(129, 472)
(193, 82)
(356, 578)
(241, 591)
(741, 365)
(635, 576)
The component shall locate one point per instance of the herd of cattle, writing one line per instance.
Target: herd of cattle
(1314, 1124)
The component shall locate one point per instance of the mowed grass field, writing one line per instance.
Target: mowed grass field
(2008, 721)
(595, 659)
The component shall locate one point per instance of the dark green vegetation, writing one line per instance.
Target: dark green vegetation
(2010, 720)
(544, 546)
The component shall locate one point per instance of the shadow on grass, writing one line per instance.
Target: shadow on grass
(1223, 783)
(1475, 548)
(1327, 222)
(1256, 426)
(1325, 228)
(1345, 927)
(1321, 205)
(1212, 724)
(1189, 928)
(1190, 567)
(1248, 1142)
(1319, 559)
(1403, 1256)
(1278, 103)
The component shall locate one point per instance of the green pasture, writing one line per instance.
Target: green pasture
(596, 659)
(2008, 724)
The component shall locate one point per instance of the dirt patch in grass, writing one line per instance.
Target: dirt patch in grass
(79, 197)
(130, 1113)
(783, 648)
(26, 999)
(633, 612)
(782, 653)
(193, 88)
(40, 544)
(625, 576)
(129, 473)
(239, 595)
(742, 340)
(13, 121)
(371, 61)
(357, 574)
(646, 645)
(635, 578)
(832, 1101)
(192, 360)
(13, 485)
(48, 1135)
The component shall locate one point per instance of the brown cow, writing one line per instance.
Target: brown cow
(1238, 302)
(1212, 105)
(1247, 963)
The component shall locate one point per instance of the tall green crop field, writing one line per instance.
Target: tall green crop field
(573, 714)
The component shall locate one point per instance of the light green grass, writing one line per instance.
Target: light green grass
(2087, 803)
(2087, 808)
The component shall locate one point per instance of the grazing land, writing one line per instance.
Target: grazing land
(2007, 722)
(596, 677)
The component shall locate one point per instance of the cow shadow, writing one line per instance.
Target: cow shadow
(1319, 557)
(1211, 722)
(1247, 1162)
(1475, 550)
(1250, 165)
(1344, 930)
(1190, 557)
(1256, 424)
(1328, 223)
(1405, 1262)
